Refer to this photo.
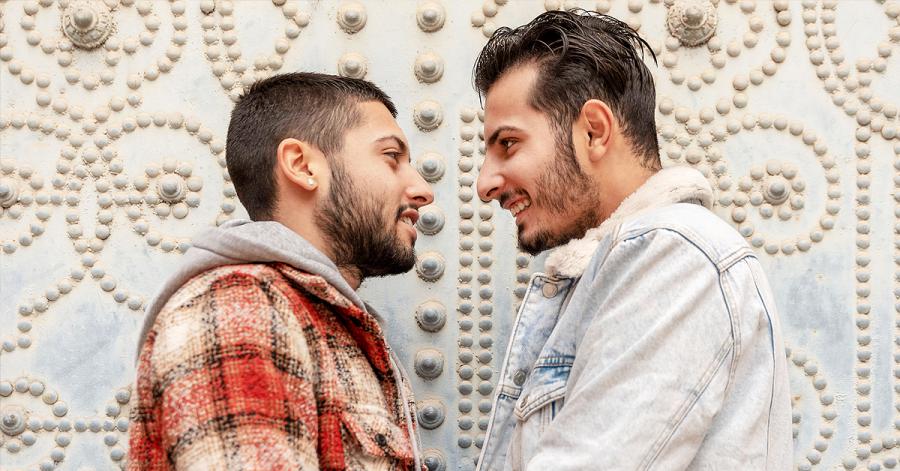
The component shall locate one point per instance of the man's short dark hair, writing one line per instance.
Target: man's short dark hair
(310, 107)
(580, 56)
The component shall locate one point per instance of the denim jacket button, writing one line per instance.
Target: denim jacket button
(549, 290)
(519, 377)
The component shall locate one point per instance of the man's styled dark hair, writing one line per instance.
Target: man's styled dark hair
(310, 107)
(580, 56)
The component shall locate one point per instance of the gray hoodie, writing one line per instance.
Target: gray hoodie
(241, 241)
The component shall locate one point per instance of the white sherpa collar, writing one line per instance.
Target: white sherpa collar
(668, 186)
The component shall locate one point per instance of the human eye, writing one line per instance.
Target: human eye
(506, 143)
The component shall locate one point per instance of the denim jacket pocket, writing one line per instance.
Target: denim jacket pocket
(546, 384)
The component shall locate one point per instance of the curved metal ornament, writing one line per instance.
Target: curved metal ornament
(87, 24)
(693, 22)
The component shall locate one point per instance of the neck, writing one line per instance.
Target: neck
(306, 228)
(622, 178)
(352, 275)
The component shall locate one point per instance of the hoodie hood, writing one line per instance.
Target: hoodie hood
(242, 241)
(667, 186)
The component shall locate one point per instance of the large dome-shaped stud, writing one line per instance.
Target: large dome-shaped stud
(430, 266)
(84, 18)
(777, 191)
(431, 414)
(351, 17)
(431, 166)
(171, 188)
(431, 219)
(12, 421)
(353, 65)
(434, 460)
(88, 24)
(431, 316)
(428, 115)
(693, 22)
(429, 363)
(429, 67)
(430, 16)
(9, 193)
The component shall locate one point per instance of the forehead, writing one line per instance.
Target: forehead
(377, 121)
(508, 101)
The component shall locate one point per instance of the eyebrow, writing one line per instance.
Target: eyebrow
(494, 135)
(396, 139)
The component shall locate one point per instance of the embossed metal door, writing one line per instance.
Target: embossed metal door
(112, 123)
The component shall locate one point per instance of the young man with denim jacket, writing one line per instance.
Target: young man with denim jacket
(652, 341)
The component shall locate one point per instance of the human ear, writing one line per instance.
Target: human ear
(299, 163)
(597, 121)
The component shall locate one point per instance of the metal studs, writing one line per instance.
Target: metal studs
(87, 24)
(430, 266)
(431, 219)
(777, 191)
(430, 16)
(352, 65)
(434, 460)
(431, 166)
(431, 414)
(351, 17)
(429, 67)
(171, 188)
(429, 363)
(693, 22)
(12, 420)
(9, 192)
(428, 115)
(431, 316)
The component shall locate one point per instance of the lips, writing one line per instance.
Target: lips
(520, 206)
(409, 216)
(515, 204)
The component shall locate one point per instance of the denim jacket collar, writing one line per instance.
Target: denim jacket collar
(667, 186)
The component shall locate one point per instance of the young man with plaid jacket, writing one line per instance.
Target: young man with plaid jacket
(258, 353)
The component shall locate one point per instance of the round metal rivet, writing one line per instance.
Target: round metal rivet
(429, 363)
(431, 316)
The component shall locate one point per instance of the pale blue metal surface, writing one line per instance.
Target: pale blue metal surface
(112, 158)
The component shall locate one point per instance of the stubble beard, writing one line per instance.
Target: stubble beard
(362, 238)
(562, 189)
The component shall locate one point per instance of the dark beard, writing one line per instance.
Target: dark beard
(561, 187)
(362, 240)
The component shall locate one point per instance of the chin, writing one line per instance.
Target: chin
(538, 240)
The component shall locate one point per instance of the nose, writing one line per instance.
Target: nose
(489, 180)
(418, 191)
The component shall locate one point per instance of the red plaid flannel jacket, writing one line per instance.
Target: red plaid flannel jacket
(265, 367)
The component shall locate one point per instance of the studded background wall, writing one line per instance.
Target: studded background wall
(112, 123)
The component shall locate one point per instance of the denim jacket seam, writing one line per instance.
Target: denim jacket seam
(736, 335)
(542, 400)
(505, 367)
(687, 406)
(697, 240)
(551, 361)
(772, 392)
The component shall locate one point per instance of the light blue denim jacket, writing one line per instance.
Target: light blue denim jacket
(652, 343)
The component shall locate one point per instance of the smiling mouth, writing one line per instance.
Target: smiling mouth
(520, 206)
(406, 220)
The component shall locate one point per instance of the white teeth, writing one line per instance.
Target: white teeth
(519, 207)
